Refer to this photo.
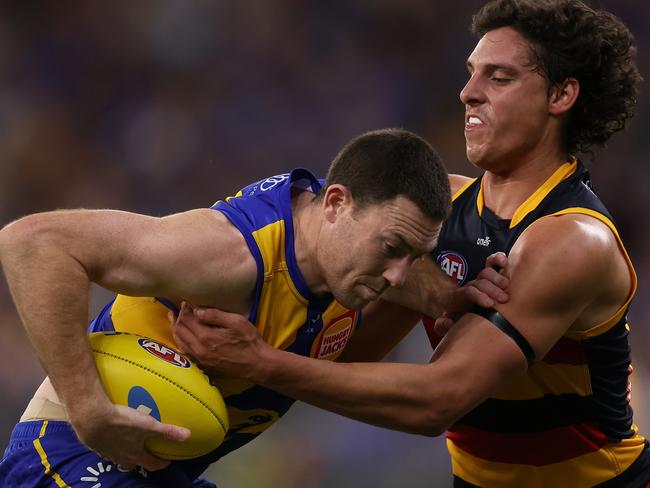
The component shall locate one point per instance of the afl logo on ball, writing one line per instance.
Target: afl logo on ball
(454, 265)
(164, 353)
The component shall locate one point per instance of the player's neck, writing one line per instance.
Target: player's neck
(505, 190)
(306, 225)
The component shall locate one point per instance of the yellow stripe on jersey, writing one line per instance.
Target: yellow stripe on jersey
(142, 316)
(460, 191)
(531, 203)
(44, 461)
(237, 195)
(544, 379)
(560, 174)
(580, 472)
(282, 310)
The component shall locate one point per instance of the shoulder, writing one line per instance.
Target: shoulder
(571, 266)
(572, 237)
(457, 182)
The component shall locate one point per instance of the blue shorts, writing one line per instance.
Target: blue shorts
(48, 454)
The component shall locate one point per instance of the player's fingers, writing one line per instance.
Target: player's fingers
(497, 261)
(186, 313)
(476, 296)
(489, 293)
(492, 275)
(171, 432)
(442, 325)
(185, 338)
(215, 316)
(150, 462)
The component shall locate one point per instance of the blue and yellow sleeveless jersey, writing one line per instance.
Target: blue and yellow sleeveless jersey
(567, 422)
(285, 312)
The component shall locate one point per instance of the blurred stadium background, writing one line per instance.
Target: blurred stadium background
(161, 106)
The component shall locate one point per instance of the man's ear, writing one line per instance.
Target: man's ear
(337, 199)
(563, 96)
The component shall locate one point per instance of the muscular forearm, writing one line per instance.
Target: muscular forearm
(471, 361)
(50, 290)
(391, 395)
(426, 290)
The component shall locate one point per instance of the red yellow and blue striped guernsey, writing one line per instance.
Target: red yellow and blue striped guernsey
(567, 422)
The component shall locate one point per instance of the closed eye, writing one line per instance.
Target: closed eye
(394, 251)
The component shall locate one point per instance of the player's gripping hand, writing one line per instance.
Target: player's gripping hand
(118, 433)
(222, 343)
(487, 290)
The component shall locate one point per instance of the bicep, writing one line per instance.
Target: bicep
(193, 255)
(553, 279)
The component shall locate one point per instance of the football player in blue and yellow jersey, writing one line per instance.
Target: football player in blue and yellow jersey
(534, 392)
(299, 256)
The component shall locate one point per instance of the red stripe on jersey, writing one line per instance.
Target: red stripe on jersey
(434, 338)
(534, 448)
(566, 351)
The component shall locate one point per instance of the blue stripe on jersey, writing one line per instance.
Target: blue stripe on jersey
(103, 321)
(250, 214)
(235, 218)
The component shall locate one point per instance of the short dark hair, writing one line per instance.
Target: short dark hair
(380, 165)
(570, 39)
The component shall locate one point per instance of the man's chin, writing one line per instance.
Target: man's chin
(354, 303)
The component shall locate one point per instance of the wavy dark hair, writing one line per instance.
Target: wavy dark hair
(569, 39)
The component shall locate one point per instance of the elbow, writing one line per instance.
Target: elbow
(11, 236)
(433, 419)
(432, 429)
(24, 235)
(435, 426)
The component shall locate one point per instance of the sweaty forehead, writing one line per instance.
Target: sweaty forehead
(403, 219)
(502, 47)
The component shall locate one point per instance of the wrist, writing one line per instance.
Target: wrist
(268, 366)
(86, 404)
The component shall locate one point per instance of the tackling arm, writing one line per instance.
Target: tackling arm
(473, 360)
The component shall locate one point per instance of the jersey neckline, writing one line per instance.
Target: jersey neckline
(559, 175)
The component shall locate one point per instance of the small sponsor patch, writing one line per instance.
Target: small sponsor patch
(335, 336)
(454, 265)
(163, 352)
(273, 181)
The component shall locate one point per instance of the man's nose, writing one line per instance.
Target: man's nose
(397, 271)
(472, 92)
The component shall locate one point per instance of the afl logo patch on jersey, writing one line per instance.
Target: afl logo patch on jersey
(454, 265)
(164, 353)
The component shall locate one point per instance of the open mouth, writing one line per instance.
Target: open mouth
(473, 122)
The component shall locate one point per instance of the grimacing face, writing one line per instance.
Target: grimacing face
(506, 102)
(372, 248)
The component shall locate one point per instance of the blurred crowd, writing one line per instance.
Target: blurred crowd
(158, 106)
